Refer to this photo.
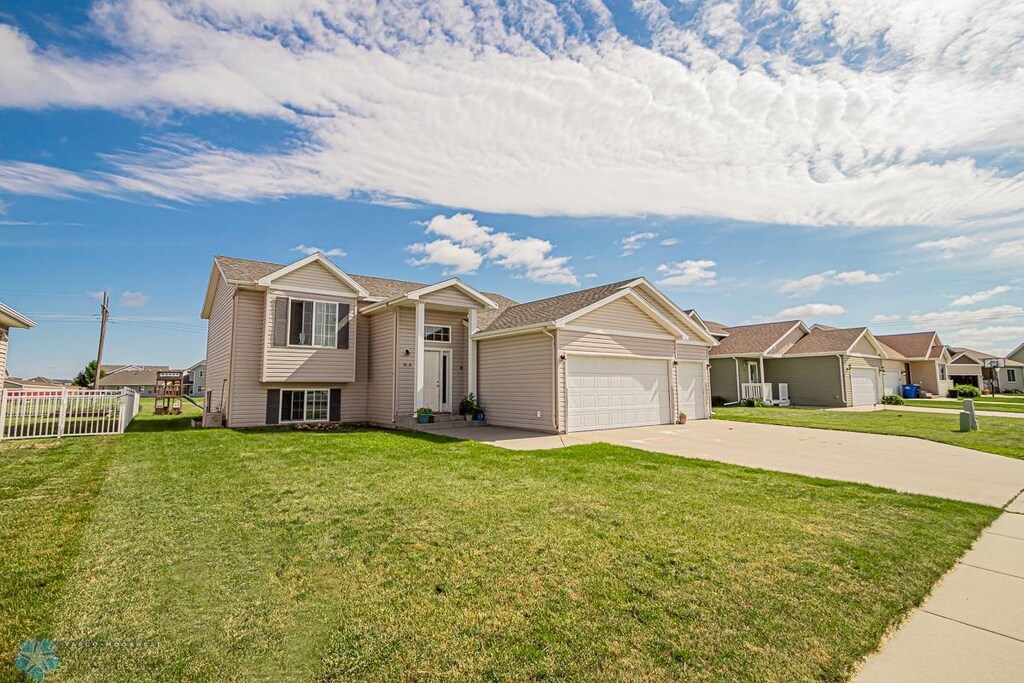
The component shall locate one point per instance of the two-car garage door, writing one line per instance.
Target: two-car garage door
(606, 392)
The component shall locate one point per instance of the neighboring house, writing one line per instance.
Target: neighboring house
(138, 378)
(985, 370)
(308, 342)
(1012, 376)
(37, 383)
(916, 358)
(195, 379)
(818, 366)
(9, 319)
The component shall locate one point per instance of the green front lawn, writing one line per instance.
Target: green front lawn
(377, 556)
(1001, 405)
(1000, 435)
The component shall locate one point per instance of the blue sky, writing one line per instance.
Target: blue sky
(838, 162)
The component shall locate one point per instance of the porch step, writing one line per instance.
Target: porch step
(440, 422)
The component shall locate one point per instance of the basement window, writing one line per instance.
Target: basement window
(308, 405)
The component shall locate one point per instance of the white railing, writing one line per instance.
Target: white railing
(56, 413)
(761, 390)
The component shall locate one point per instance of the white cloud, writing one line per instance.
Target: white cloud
(883, 318)
(303, 249)
(812, 311)
(633, 241)
(464, 245)
(1013, 249)
(589, 276)
(133, 299)
(817, 282)
(996, 339)
(873, 115)
(669, 242)
(687, 273)
(95, 295)
(948, 247)
(978, 297)
(965, 318)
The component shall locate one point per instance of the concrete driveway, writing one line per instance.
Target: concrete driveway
(895, 462)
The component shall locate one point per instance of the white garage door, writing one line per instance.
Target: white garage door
(691, 390)
(606, 393)
(865, 386)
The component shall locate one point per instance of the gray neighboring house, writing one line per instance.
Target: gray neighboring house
(195, 379)
(10, 319)
(138, 378)
(985, 371)
(786, 361)
(308, 342)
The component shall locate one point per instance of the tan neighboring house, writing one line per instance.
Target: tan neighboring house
(808, 366)
(308, 342)
(916, 358)
(10, 319)
(139, 378)
(1012, 376)
(985, 371)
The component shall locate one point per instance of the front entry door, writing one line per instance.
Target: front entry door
(437, 381)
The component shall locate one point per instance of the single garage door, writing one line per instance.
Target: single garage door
(691, 390)
(865, 386)
(893, 381)
(606, 393)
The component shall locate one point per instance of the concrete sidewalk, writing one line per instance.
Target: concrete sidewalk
(955, 411)
(895, 462)
(972, 626)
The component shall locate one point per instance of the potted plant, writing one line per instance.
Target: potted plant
(424, 415)
(467, 406)
(682, 417)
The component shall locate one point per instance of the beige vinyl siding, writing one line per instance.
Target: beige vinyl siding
(218, 345)
(406, 365)
(1019, 356)
(926, 373)
(450, 296)
(5, 333)
(313, 276)
(382, 361)
(964, 370)
(248, 405)
(621, 315)
(723, 379)
(863, 346)
(304, 363)
(860, 362)
(681, 320)
(812, 380)
(515, 381)
(354, 407)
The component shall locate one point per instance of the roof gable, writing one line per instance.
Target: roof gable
(911, 345)
(754, 339)
(825, 340)
(315, 260)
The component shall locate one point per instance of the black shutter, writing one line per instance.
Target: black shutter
(281, 321)
(343, 310)
(273, 406)
(334, 406)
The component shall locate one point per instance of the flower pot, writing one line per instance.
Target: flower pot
(424, 418)
(469, 417)
(682, 418)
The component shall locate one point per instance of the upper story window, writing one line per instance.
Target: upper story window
(313, 323)
(437, 333)
(942, 372)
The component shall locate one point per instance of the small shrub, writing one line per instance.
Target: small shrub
(467, 406)
(967, 391)
(892, 400)
(1008, 391)
(718, 401)
(754, 403)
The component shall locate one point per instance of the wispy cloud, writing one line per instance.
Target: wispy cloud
(687, 274)
(669, 242)
(463, 245)
(818, 281)
(812, 311)
(634, 241)
(303, 249)
(949, 246)
(133, 299)
(884, 318)
(978, 297)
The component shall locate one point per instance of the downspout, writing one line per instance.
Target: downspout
(842, 377)
(739, 395)
(554, 379)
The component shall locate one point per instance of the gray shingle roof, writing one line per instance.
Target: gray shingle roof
(552, 308)
(755, 339)
(826, 340)
(145, 375)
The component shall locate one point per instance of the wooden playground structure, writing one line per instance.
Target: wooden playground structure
(169, 389)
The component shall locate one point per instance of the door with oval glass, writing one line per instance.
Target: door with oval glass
(437, 381)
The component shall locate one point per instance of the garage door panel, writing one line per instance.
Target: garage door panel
(690, 378)
(606, 393)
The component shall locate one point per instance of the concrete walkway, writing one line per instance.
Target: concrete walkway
(955, 411)
(972, 626)
(896, 462)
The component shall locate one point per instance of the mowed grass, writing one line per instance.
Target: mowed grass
(1000, 435)
(1001, 405)
(374, 556)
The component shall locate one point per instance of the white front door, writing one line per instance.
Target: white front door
(691, 390)
(606, 392)
(865, 386)
(437, 380)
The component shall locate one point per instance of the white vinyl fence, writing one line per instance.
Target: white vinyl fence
(42, 413)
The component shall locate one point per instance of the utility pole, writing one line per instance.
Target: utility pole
(104, 314)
